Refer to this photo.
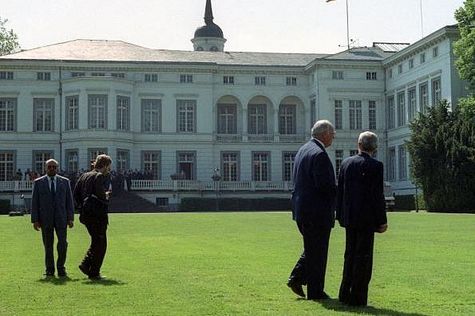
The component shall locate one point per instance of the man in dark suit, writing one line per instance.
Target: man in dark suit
(361, 211)
(52, 210)
(313, 210)
(92, 198)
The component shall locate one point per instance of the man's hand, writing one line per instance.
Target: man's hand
(382, 228)
(36, 225)
(70, 224)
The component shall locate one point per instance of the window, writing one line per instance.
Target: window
(78, 74)
(97, 105)
(230, 166)
(227, 118)
(411, 103)
(98, 74)
(288, 159)
(371, 75)
(228, 80)
(355, 114)
(422, 58)
(72, 112)
(372, 114)
(6, 75)
(94, 152)
(151, 78)
(260, 81)
(391, 164)
(43, 114)
(118, 75)
(402, 163)
(287, 119)
(411, 63)
(186, 113)
(72, 160)
(337, 75)
(401, 109)
(151, 164)
(7, 165)
(423, 97)
(390, 73)
(257, 119)
(123, 113)
(338, 160)
(186, 78)
(43, 76)
(8, 114)
(338, 114)
(436, 93)
(399, 69)
(390, 109)
(291, 81)
(162, 202)
(39, 159)
(435, 51)
(186, 165)
(313, 111)
(122, 160)
(260, 166)
(151, 115)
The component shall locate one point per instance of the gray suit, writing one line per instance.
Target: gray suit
(53, 211)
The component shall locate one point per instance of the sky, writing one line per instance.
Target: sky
(293, 26)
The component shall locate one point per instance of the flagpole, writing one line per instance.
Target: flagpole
(422, 21)
(348, 26)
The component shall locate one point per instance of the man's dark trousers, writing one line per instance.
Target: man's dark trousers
(358, 266)
(310, 268)
(48, 242)
(97, 250)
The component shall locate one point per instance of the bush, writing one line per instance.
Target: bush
(4, 206)
(234, 204)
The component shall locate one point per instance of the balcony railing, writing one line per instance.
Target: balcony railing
(15, 186)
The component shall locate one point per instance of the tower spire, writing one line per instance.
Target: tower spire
(208, 13)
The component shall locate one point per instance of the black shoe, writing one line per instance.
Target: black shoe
(296, 287)
(97, 277)
(84, 269)
(49, 274)
(320, 296)
(62, 274)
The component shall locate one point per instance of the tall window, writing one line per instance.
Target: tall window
(151, 163)
(122, 160)
(39, 159)
(399, 68)
(422, 58)
(186, 165)
(257, 119)
(338, 114)
(423, 97)
(401, 109)
(391, 164)
(390, 73)
(185, 78)
(94, 152)
(186, 113)
(411, 103)
(288, 159)
(411, 63)
(227, 118)
(72, 160)
(390, 109)
(372, 114)
(402, 163)
(337, 75)
(436, 93)
(97, 104)
(8, 114)
(123, 113)
(230, 166)
(287, 119)
(260, 81)
(313, 111)
(260, 166)
(43, 115)
(338, 160)
(435, 51)
(355, 114)
(7, 165)
(291, 81)
(151, 115)
(72, 112)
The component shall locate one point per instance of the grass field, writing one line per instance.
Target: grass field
(237, 264)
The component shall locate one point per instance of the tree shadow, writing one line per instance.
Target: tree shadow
(57, 281)
(337, 306)
(104, 282)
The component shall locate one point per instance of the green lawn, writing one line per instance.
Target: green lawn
(237, 263)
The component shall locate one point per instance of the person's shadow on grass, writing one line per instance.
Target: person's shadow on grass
(57, 281)
(104, 282)
(335, 305)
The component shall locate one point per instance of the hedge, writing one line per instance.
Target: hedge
(234, 204)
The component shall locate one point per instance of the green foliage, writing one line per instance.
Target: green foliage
(4, 206)
(8, 39)
(442, 149)
(237, 264)
(234, 204)
(464, 48)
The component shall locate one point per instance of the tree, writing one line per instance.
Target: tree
(442, 149)
(464, 48)
(8, 39)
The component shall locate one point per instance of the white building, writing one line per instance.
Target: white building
(191, 112)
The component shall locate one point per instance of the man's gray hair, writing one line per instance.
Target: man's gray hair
(368, 141)
(50, 161)
(321, 127)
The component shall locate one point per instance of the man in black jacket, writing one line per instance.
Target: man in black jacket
(313, 210)
(92, 199)
(360, 209)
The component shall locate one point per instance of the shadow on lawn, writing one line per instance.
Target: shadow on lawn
(335, 305)
(104, 282)
(57, 281)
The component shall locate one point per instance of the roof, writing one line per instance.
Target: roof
(390, 47)
(120, 51)
(360, 54)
